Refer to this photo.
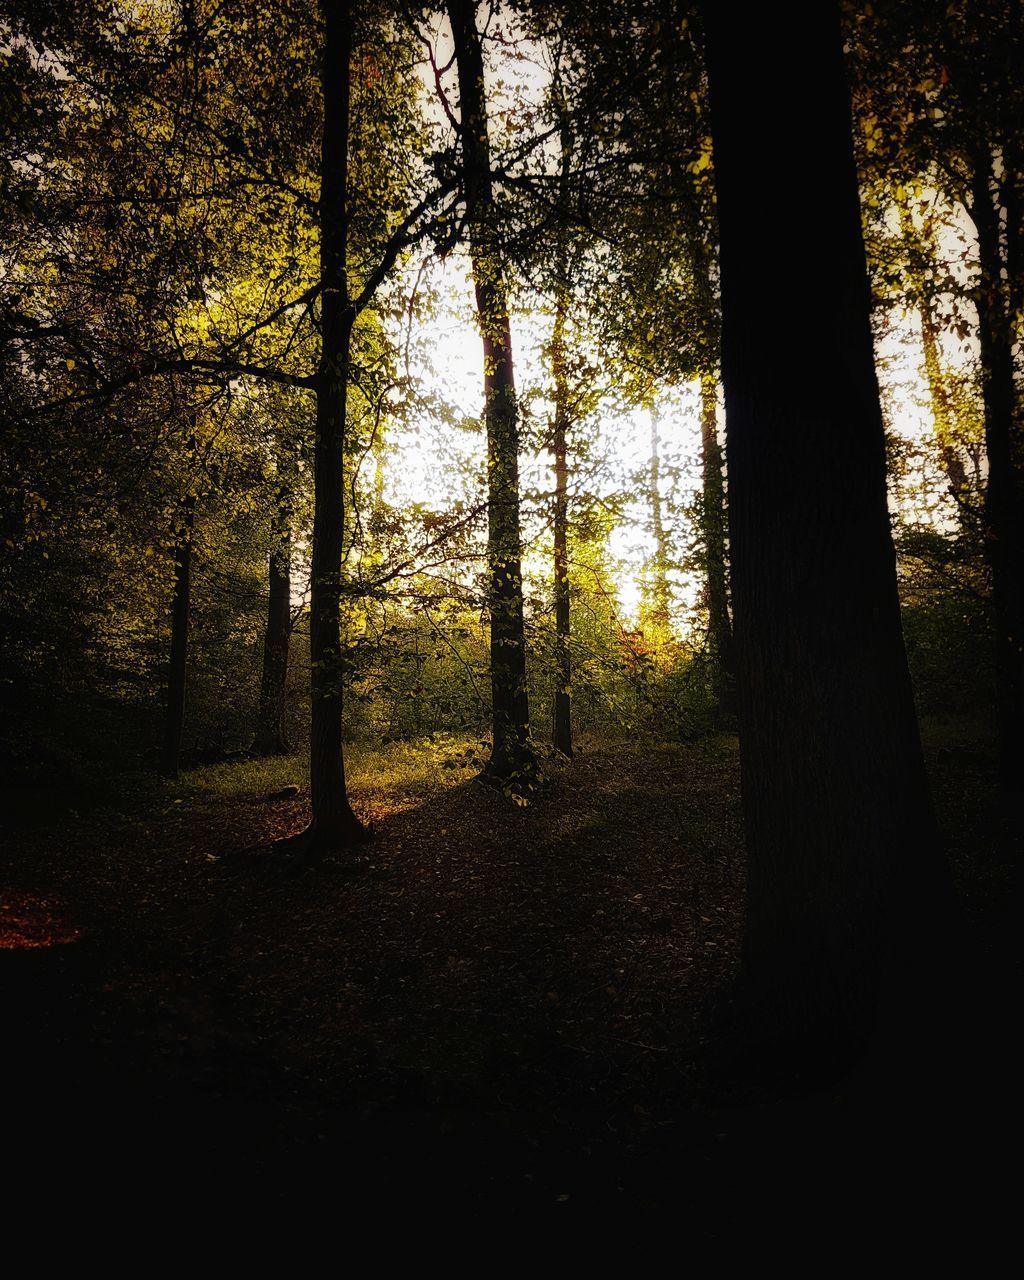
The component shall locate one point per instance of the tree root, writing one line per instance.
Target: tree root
(319, 841)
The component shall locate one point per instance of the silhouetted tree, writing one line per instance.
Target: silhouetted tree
(715, 562)
(512, 762)
(178, 658)
(333, 822)
(270, 737)
(844, 865)
(1001, 271)
(561, 720)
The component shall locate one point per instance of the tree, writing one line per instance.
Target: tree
(638, 207)
(512, 763)
(270, 739)
(561, 709)
(918, 246)
(998, 331)
(561, 715)
(333, 823)
(713, 520)
(193, 287)
(178, 658)
(660, 587)
(942, 89)
(843, 859)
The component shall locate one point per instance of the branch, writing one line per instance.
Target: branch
(400, 239)
(152, 368)
(397, 572)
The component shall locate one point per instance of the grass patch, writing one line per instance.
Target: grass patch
(236, 778)
(394, 774)
(401, 773)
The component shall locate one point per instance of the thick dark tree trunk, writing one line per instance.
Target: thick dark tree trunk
(1004, 492)
(713, 494)
(659, 585)
(178, 661)
(333, 825)
(512, 763)
(844, 871)
(270, 737)
(561, 720)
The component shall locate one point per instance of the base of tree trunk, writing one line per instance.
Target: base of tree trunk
(263, 747)
(797, 1026)
(762, 1040)
(518, 775)
(321, 838)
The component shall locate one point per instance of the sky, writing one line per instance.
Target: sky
(445, 359)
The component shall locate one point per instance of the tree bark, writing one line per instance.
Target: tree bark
(176, 672)
(713, 493)
(716, 561)
(561, 720)
(1004, 491)
(942, 411)
(512, 763)
(270, 737)
(659, 591)
(845, 876)
(333, 824)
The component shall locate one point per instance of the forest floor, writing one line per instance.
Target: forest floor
(500, 1006)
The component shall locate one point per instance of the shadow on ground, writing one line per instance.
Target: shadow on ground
(503, 1007)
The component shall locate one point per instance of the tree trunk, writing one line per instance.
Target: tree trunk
(175, 721)
(561, 722)
(512, 763)
(713, 492)
(333, 825)
(1004, 492)
(270, 737)
(659, 591)
(844, 869)
(712, 482)
(942, 411)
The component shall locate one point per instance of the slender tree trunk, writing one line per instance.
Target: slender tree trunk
(844, 870)
(561, 724)
(1004, 492)
(660, 592)
(942, 411)
(713, 492)
(270, 737)
(333, 822)
(175, 721)
(512, 762)
(379, 475)
(712, 482)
